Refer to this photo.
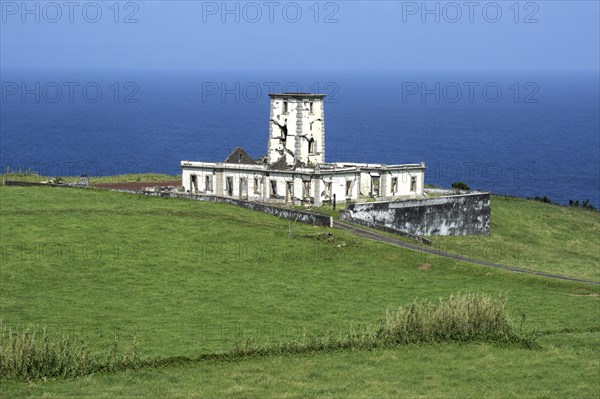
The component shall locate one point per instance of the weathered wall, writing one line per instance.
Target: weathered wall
(361, 182)
(454, 215)
(291, 126)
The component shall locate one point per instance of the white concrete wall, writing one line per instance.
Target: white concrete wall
(385, 182)
(201, 180)
(361, 183)
(403, 187)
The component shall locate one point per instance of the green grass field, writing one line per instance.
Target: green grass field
(189, 278)
(536, 236)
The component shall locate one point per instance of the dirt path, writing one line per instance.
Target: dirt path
(359, 231)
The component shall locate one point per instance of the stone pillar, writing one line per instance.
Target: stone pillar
(317, 191)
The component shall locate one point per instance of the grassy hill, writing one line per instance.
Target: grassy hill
(189, 278)
(536, 236)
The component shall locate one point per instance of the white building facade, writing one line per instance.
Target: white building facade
(294, 170)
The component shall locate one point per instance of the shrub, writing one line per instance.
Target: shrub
(460, 186)
(585, 204)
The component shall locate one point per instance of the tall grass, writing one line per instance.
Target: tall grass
(26, 355)
(460, 318)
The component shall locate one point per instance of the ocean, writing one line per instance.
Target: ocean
(519, 133)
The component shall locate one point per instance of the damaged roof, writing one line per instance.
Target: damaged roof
(239, 155)
(282, 165)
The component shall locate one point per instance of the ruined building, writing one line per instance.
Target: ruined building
(294, 170)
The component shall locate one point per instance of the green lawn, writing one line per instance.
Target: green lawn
(190, 278)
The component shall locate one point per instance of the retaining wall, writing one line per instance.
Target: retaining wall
(454, 215)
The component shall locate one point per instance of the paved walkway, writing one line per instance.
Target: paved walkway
(365, 233)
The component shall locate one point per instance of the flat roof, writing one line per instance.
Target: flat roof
(297, 95)
(322, 168)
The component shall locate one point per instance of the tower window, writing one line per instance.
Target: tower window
(311, 107)
(311, 146)
(394, 184)
(285, 107)
(413, 183)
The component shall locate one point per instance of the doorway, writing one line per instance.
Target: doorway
(194, 184)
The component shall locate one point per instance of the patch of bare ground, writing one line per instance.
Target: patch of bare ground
(425, 266)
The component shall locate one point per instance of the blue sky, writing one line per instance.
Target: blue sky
(340, 35)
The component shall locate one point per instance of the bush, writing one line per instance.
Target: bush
(545, 200)
(585, 204)
(460, 186)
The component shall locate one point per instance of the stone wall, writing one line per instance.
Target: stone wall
(453, 215)
(30, 184)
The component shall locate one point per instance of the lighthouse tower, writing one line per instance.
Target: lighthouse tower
(297, 129)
